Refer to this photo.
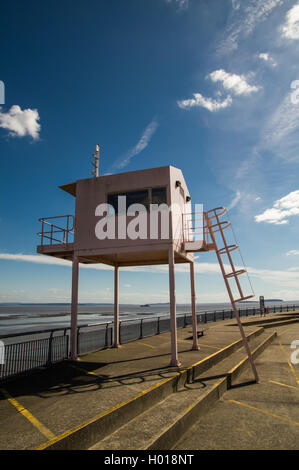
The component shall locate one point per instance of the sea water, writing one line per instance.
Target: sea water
(15, 318)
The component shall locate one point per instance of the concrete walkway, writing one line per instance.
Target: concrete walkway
(36, 409)
(262, 416)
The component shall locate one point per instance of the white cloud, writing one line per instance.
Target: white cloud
(290, 29)
(245, 19)
(264, 56)
(267, 58)
(292, 252)
(207, 103)
(282, 128)
(40, 259)
(181, 4)
(287, 279)
(139, 147)
(236, 4)
(281, 211)
(235, 201)
(233, 82)
(20, 122)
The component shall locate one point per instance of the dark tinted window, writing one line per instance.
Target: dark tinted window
(132, 197)
(159, 196)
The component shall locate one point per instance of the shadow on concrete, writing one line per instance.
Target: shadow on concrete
(243, 384)
(230, 386)
(77, 377)
(135, 359)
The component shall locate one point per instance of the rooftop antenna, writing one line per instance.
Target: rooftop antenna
(95, 163)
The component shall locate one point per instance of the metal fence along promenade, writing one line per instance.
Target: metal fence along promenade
(28, 351)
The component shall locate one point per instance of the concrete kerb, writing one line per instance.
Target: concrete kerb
(85, 435)
(294, 318)
(175, 431)
(280, 323)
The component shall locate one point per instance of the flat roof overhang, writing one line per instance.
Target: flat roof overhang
(71, 187)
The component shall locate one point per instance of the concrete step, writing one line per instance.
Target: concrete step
(280, 323)
(86, 435)
(160, 426)
(217, 380)
(263, 322)
(146, 428)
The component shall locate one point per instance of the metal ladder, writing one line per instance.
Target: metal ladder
(214, 225)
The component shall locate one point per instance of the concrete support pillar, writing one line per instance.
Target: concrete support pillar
(193, 303)
(173, 325)
(116, 308)
(74, 308)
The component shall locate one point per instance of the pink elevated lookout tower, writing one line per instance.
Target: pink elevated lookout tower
(139, 218)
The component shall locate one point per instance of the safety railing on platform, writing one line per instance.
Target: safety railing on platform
(47, 347)
(195, 225)
(54, 234)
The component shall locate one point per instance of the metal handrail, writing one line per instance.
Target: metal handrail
(190, 230)
(64, 230)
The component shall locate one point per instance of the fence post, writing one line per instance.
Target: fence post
(78, 341)
(106, 336)
(49, 362)
(223, 315)
(205, 317)
(158, 326)
(214, 315)
(141, 328)
(287, 308)
(119, 332)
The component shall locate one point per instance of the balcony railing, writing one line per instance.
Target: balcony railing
(195, 225)
(52, 234)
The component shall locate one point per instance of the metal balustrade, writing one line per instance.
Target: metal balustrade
(50, 230)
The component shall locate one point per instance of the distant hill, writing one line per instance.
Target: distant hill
(257, 301)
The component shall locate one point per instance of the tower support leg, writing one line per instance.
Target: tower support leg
(74, 309)
(174, 347)
(116, 307)
(195, 346)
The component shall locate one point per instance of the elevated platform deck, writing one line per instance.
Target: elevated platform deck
(137, 256)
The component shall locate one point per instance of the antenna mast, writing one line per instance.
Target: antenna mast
(95, 163)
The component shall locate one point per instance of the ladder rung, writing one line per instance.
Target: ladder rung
(227, 249)
(244, 298)
(236, 273)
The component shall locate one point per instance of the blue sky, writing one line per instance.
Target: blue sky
(208, 86)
